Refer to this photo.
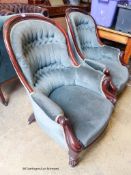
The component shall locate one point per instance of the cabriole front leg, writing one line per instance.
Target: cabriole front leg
(74, 145)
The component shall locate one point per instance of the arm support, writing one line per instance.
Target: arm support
(72, 142)
(47, 105)
(97, 81)
(57, 114)
(98, 66)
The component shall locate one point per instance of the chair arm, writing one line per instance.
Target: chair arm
(47, 105)
(98, 66)
(73, 143)
(57, 114)
(96, 81)
(112, 53)
(90, 78)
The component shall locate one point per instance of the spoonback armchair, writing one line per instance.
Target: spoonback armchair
(63, 93)
(87, 46)
(6, 11)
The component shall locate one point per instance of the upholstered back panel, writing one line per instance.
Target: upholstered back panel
(15, 8)
(6, 69)
(40, 49)
(84, 29)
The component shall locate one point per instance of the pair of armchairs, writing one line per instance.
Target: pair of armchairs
(7, 72)
(72, 100)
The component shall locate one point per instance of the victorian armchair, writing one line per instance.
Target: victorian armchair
(88, 47)
(63, 93)
(6, 11)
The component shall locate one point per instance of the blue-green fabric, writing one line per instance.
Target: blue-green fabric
(88, 112)
(6, 69)
(85, 33)
(59, 86)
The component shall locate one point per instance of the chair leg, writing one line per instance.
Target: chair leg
(4, 101)
(73, 158)
(31, 119)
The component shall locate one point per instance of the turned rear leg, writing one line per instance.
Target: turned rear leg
(4, 101)
(31, 119)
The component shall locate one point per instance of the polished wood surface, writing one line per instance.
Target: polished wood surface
(56, 10)
(44, 2)
(119, 37)
(109, 34)
(59, 11)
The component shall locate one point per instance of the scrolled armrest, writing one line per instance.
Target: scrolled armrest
(57, 114)
(72, 141)
(98, 66)
(109, 89)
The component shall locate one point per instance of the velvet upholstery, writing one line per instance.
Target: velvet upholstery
(60, 87)
(82, 33)
(15, 8)
(6, 70)
(8, 10)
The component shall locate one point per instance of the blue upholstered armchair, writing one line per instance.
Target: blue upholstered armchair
(6, 11)
(88, 47)
(71, 102)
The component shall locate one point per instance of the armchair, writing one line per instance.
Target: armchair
(6, 11)
(63, 93)
(88, 47)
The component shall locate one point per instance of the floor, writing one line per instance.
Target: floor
(26, 150)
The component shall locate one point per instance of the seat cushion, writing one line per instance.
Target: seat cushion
(88, 112)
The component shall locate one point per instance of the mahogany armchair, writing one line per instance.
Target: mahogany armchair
(7, 10)
(88, 47)
(63, 93)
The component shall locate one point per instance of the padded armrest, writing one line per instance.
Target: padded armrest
(111, 52)
(89, 78)
(96, 65)
(47, 105)
(97, 81)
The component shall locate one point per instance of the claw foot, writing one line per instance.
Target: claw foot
(73, 162)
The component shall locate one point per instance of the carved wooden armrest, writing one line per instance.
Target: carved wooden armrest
(107, 72)
(72, 142)
(109, 89)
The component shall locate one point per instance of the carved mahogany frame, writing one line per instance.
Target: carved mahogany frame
(68, 11)
(73, 144)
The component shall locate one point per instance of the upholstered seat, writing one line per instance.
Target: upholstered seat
(87, 47)
(77, 103)
(8, 10)
(63, 93)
